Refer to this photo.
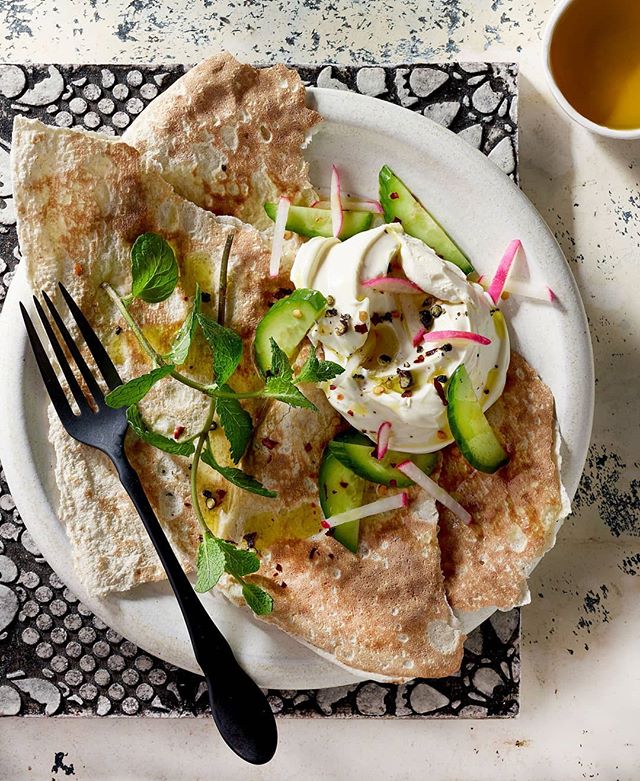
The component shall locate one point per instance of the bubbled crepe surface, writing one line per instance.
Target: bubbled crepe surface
(81, 201)
(131, 552)
(515, 511)
(227, 137)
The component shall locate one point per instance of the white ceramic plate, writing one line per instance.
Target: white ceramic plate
(482, 209)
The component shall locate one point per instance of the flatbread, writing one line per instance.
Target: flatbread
(81, 200)
(515, 511)
(226, 136)
(382, 612)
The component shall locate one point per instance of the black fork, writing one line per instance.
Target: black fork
(239, 708)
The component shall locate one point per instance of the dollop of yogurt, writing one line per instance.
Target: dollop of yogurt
(370, 333)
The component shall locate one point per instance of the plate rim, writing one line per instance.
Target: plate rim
(337, 106)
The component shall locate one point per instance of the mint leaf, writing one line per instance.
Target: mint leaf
(131, 392)
(236, 423)
(153, 438)
(184, 335)
(226, 346)
(238, 561)
(285, 390)
(280, 366)
(257, 598)
(210, 563)
(154, 268)
(236, 476)
(315, 370)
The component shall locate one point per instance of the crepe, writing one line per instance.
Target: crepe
(382, 612)
(515, 511)
(81, 200)
(226, 136)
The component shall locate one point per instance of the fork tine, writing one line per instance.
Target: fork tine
(74, 386)
(51, 383)
(100, 355)
(86, 372)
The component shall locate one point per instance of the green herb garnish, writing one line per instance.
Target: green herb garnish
(236, 424)
(155, 275)
(182, 340)
(154, 268)
(153, 438)
(226, 346)
(236, 476)
(136, 389)
(315, 370)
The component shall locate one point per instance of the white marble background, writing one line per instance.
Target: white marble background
(581, 688)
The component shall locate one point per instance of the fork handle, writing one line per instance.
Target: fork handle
(239, 708)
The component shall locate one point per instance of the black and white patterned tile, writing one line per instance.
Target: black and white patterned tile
(56, 657)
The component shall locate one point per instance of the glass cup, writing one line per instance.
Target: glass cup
(594, 127)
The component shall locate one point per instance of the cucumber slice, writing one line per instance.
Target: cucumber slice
(306, 221)
(400, 204)
(287, 328)
(355, 451)
(340, 489)
(470, 428)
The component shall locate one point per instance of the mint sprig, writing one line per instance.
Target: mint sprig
(216, 556)
(226, 346)
(154, 268)
(279, 383)
(166, 444)
(257, 598)
(236, 476)
(238, 561)
(136, 389)
(155, 274)
(286, 391)
(315, 370)
(280, 366)
(236, 423)
(184, 336)
(210, 563)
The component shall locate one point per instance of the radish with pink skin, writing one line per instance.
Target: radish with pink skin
(446, 336)
(336, 202)
(502, 272)
(384, 433)
(434, 490)
(277, 244)
(395, 502)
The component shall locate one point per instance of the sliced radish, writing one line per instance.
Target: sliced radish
(385, 505)
(393, 285)
(502, 272)
(417, 339)
(279, 228)
(433, 489)
(384, 432)
(526, 289)
(445, 336)
(336, 202)
(530, 290)
(352, 204)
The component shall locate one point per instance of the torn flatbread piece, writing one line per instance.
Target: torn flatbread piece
(228, 137)
(515, 511)
(382, 613)
(81, 201)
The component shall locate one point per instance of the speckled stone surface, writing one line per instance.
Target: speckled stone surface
(580, 703)
(56, 658)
